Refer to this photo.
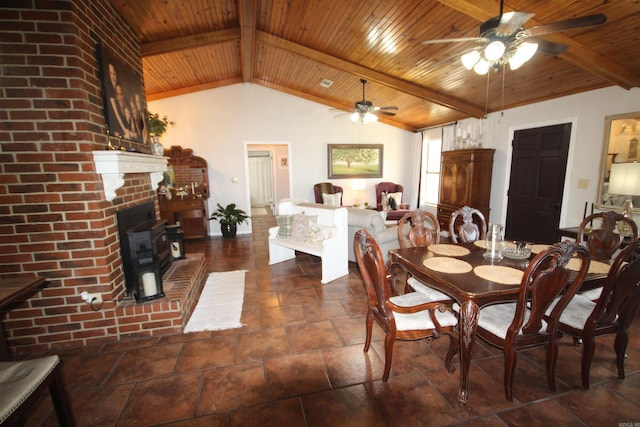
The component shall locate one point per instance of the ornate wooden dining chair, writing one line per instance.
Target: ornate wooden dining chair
(414, 231)
(523, 323)
(604, 241)
(611, 314)
(409, 316)
(468, 231)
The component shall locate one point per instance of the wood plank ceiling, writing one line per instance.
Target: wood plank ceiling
(292, 45)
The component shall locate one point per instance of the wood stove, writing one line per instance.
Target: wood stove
(144, 246)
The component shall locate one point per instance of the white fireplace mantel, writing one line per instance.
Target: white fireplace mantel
(113, 165)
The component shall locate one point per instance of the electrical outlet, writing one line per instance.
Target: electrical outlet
(583, 183)
(91, 298)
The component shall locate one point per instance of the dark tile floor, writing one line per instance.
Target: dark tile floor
(299, 362)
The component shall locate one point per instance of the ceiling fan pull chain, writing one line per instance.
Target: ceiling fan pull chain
(486, 98)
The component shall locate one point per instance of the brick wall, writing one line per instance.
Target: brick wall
(54, 219)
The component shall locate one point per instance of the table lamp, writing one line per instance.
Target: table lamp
(625, 180)
(358, 186)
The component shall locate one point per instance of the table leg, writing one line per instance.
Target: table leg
(5, 354)
(468, 323)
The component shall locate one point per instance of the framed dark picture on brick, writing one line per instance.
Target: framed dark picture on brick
(123, 97)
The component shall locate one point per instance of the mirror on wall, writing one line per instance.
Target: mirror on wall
(621, 136)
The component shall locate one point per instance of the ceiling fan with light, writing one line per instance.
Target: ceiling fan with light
(503, 39)
(365, 112)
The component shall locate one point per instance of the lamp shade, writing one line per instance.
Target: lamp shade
(625, 179)
(357, 184)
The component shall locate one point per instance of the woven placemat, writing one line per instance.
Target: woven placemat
(445, 264)
(499, 274)
(596, 267)
(449, 250)
(536, 249)
(482, 244)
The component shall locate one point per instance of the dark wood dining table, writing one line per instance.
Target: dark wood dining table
(469, 290)
(13, 290)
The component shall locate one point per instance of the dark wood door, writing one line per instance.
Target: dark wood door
(536, 185)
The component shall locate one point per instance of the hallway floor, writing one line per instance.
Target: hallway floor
(299, 362)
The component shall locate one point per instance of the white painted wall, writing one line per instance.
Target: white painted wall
(216, 124)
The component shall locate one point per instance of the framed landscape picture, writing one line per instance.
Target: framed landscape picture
(355, 160)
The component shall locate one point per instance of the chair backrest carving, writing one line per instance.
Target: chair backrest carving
(374, 273)
(603, 242)
(419, 232)
(546, 277)
(620, 297)
(468, 231)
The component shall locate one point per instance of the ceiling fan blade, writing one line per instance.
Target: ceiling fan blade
(385, 113)
(511, 21)
(568, 24)
(458, 40)
(394, 108)
(548, 47)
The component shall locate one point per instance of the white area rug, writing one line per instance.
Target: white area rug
(220, 303)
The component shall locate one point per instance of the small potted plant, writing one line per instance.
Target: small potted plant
(229, 217)
(157, 126)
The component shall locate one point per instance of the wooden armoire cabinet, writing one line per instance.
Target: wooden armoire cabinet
(183, 196)
(465, 180)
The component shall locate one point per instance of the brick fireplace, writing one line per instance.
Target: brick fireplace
(57, 207)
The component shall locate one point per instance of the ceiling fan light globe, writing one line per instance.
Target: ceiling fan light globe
(470, 59)
(481, 67)
(527, 50)
(355, 117)
(369, 118)
(524, 53)
(494, 50)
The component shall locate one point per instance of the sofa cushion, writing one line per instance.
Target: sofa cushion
(394, 200)
(300, 226)
(284, 226)
(331, 199)
(365, 218)
(319, 233)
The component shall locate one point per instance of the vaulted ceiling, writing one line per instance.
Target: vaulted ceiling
(293, 45)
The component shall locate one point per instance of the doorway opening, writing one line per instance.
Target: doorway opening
(267, 176)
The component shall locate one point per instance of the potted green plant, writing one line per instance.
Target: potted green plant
(157, 125)
(229, 217)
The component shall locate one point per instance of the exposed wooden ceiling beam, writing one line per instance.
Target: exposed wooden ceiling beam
(248, 45)
(577, 54)
(189, 42)
(372, 75)
(247, 10)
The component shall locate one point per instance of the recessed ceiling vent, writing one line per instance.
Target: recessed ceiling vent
(326, 83)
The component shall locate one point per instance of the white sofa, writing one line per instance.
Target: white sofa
(332, 249)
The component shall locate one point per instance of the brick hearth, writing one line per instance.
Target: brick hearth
(182, 284)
